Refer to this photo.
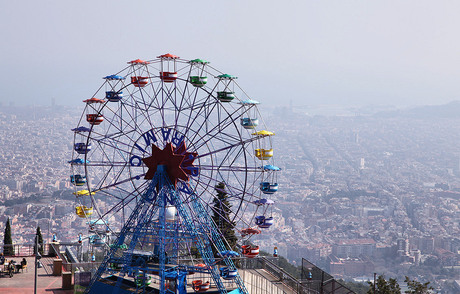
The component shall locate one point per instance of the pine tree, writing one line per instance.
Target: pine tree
(416, 287)
(221, 215)
(8, 249)
(383, 286)
(38, 235)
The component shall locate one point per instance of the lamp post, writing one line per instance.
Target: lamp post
(37, 260)
(373, 287)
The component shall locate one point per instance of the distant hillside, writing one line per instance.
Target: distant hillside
(449, 110)
(29, 113)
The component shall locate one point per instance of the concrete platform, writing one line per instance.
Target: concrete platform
(23, 282)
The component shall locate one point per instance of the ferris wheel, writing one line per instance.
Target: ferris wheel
(183, 126)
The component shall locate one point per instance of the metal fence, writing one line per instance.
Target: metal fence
(24, 249)
(313, 279)
(280, 274)
(320, 281)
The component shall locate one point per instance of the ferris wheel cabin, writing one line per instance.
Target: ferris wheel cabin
(83, 193)
(268, 188)
(82, 148)
(264, 154)
(227, 94)
(94, 117)
(138, 61)
(168, 77)
(77, 161)
(114, 96)
(249, 231)
(139, 81)
(83, 211)
(199, 286)
(168, 73)
(198, 81)
(78, 180)
(250, 251)
(227, 273)
(96, 241)
(114, 78)
(249, 123)
(264, 222)
(224, 96)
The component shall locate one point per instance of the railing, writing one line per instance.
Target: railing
(313, 279)
(280, 274)
(24, 249)
(317, 279)
(71, 265)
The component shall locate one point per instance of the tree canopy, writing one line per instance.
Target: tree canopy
(38, 235)
(8, 248)
(221, 215)
(416, 287)
(391, 286)
(383, 286)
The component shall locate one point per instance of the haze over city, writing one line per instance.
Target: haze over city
(349, 53)
(362, 96)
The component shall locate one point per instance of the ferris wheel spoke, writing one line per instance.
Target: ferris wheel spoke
(122, 204)
(147, 103)
(241, 189)
(110, 142)
(230, 168)
(181, 101)
(104, 152)
(128, 126)
(239, 144)
(117, 181)
(192, 118)
(229, 188)
(239, 197)
(205, 125)
(124, 201)
(171, 98)
(218, 131)
(134, 119)
(108, 163)
(153, 101)
(104, 178)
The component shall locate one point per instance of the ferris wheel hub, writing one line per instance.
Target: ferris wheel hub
(176, 162)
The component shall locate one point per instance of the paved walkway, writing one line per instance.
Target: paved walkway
(23, 283)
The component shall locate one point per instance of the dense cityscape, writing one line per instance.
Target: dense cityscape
(359, 193)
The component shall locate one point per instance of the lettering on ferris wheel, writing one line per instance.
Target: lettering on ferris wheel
(184, 187)
(150, 138)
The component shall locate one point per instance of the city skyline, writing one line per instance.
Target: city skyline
(383, 187)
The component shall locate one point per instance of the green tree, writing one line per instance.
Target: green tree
(356, 287)
(221, 215)
(8, 248)
(38, 235)
(383, 286)
(417, 287)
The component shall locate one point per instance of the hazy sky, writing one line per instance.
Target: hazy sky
(401, 52)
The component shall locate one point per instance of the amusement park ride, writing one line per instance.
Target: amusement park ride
(148, 156)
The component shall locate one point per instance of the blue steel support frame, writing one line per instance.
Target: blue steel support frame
(194, 217)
